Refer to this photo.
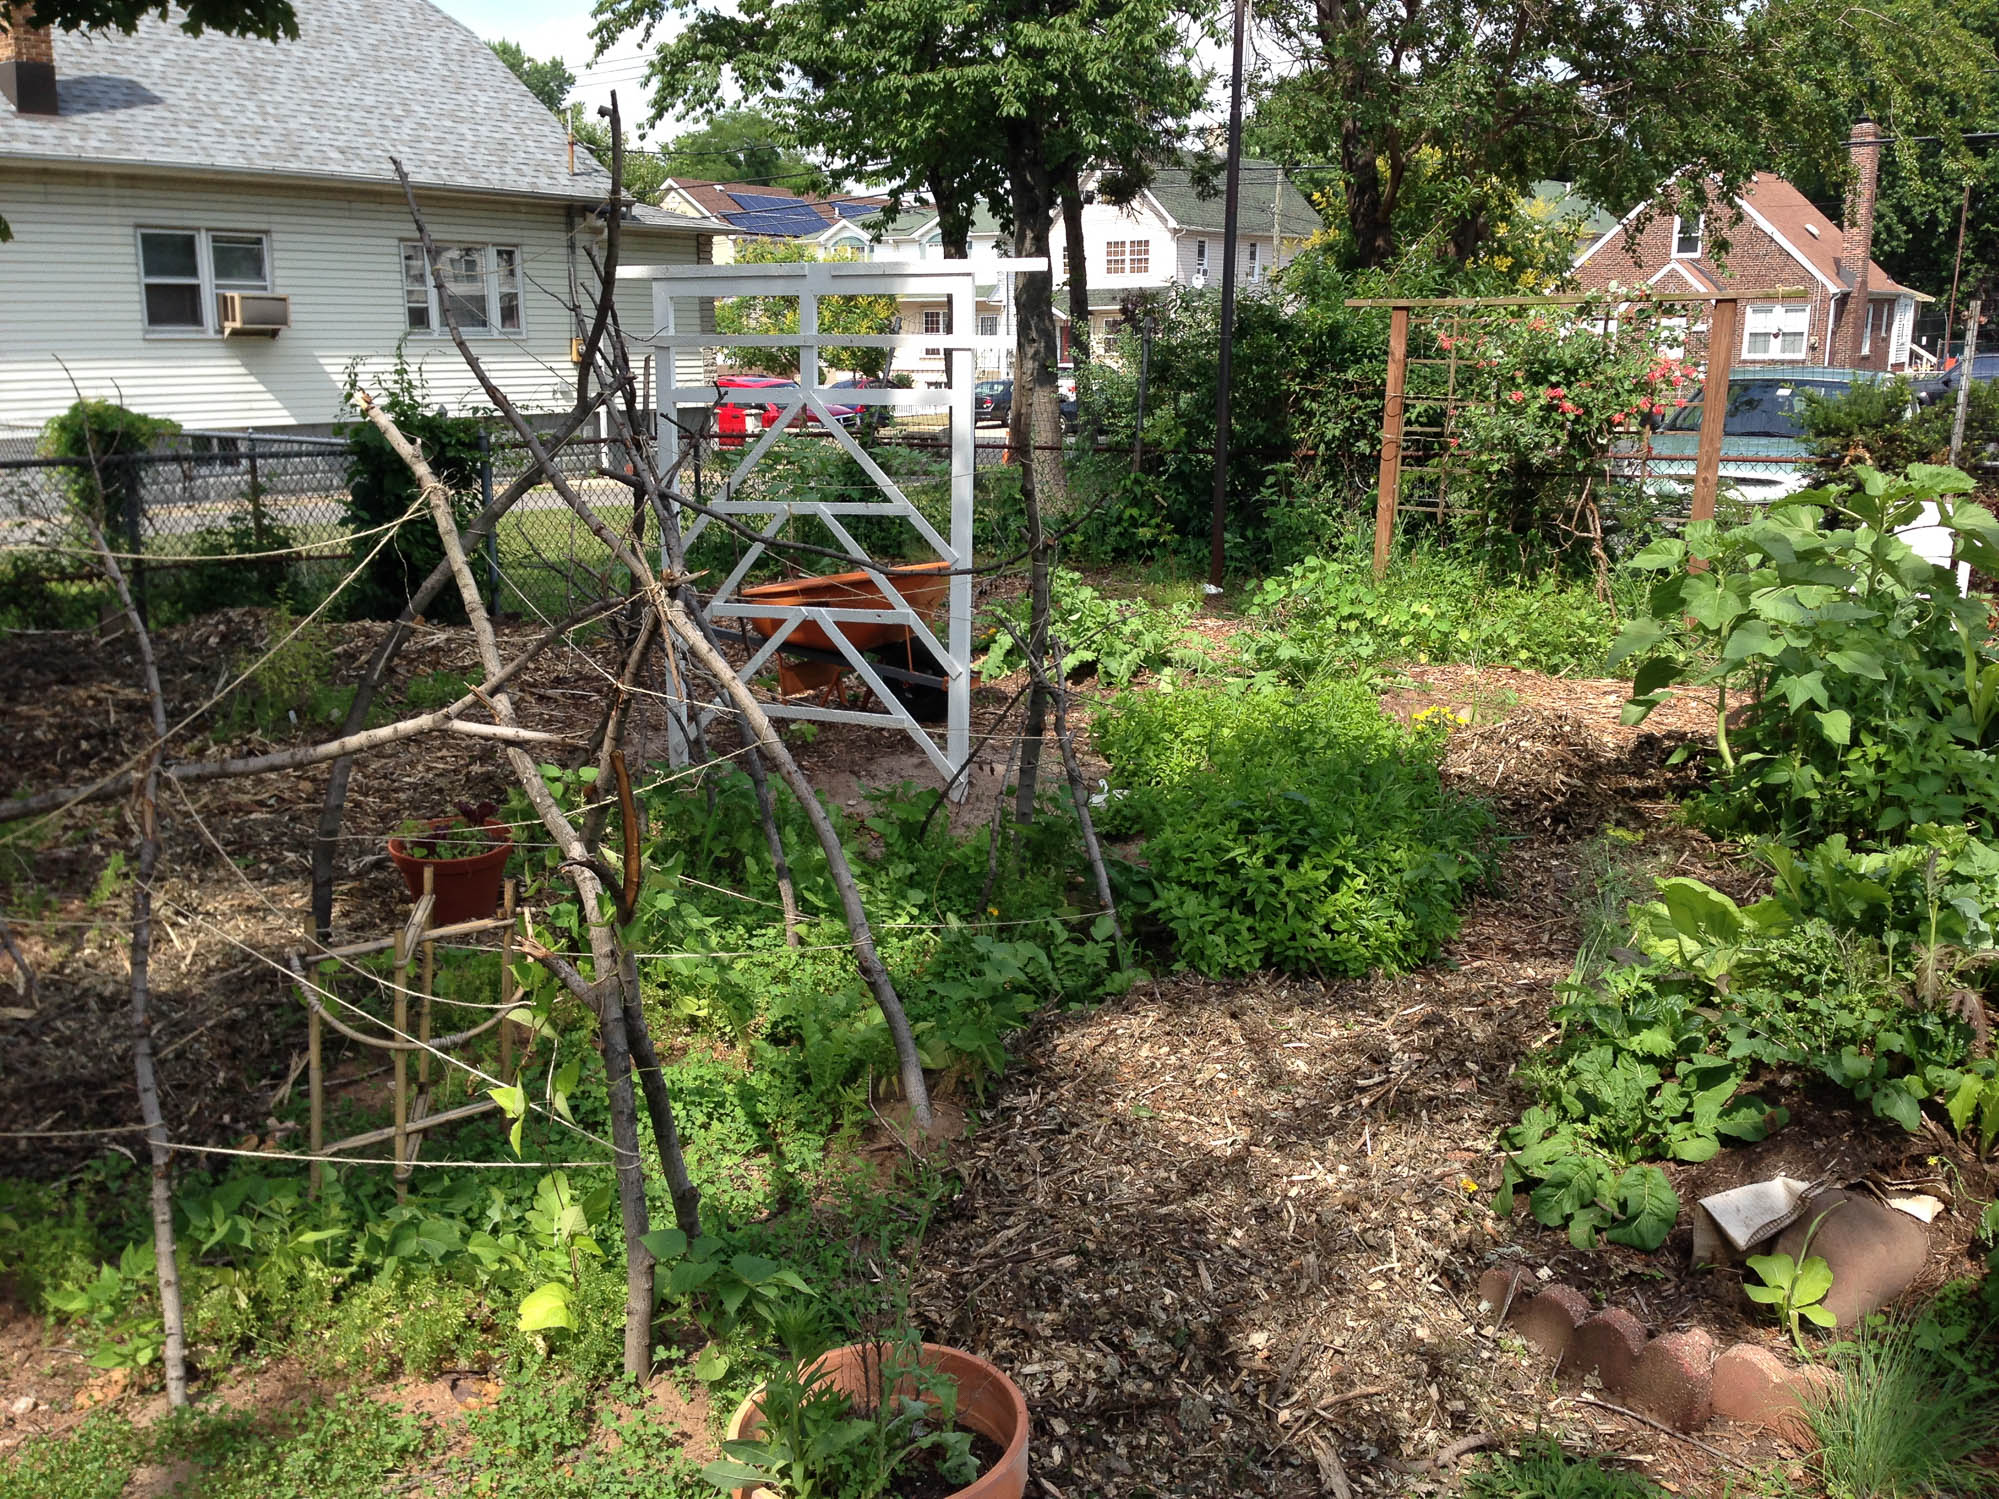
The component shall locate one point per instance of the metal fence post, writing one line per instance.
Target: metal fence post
(257, 524)
(492, 531)
(134, 542)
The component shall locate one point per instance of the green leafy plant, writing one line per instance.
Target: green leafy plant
(463, 835)
(819, 1442)
(381, 491)
(103, 443)
(123, 1328)
(1305, 831)
(1544, 1471)
(1878, 423)
(1854, 685)
(1117, 639)
(1796, 1287)
(1438, 601)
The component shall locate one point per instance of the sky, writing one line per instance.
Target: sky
(561, 28)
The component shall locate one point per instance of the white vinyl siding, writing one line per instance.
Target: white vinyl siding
(335, 251)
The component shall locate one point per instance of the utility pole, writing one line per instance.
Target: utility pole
(1212, 594)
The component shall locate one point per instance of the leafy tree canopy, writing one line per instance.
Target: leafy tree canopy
(549, 80)
(270, 19)
(863, 315)
(742, 145)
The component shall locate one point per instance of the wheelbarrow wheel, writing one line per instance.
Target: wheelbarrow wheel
(924, 703)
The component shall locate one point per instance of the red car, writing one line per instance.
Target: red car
(733, 420)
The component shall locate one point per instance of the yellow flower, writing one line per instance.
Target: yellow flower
(1468, 1184)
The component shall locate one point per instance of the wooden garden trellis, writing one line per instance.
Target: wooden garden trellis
(415, 944)
(1723, 334)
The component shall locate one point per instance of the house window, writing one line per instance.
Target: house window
(482, 288)
(989, 325)
(933, 323)
(1255, 265)
(1114, 257)
(1065, 263)
(181, 269)
(1687, 236)
(1139, 257)
(1776, 330)
(1904, 326)
(1200, 262)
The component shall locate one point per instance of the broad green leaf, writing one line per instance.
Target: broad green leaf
(1837, 725)
(1817, 1315)
(689, 1275)
(665, 1243)
(1893, 1100)
(1962, 1105)
(711, 1365)
(1567, 1186)
(1814, 1280)
(727, 1474)
(544, 1307)
(753, 1268)
(1751, 638)
(1650, 1208)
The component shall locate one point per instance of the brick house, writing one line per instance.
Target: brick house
(1777, 238)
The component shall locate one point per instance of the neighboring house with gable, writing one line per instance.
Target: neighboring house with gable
(208, 228)
(1857, 315)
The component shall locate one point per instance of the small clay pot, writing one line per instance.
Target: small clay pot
(988, 1403)
(467, 889)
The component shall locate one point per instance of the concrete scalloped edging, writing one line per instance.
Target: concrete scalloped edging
(1678, 1379)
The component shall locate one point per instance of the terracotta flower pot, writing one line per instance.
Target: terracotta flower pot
(467, 889)
(988, 1403)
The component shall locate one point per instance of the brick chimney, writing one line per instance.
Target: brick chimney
(27, 60)
(1856, 241)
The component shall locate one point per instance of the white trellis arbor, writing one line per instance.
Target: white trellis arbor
(949, 640)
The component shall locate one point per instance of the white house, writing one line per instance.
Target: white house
(209, 228)
(1170, 235)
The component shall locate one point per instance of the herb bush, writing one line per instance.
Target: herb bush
(1437, 602)
(1304, 831)
(1864, 684)
(1848, 970)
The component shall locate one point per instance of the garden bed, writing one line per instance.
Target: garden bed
(1227, 1236)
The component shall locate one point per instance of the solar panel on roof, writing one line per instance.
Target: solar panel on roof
(858, 210)
(765, 200)
(794, 220)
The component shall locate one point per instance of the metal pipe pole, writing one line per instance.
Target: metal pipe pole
(1225, 368)
(1964, 385)
(1956, 270)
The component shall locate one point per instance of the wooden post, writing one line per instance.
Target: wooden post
(315, 1089)
(507, 983)
(428, 985)
(1391, 437)
(401, 1058)
(1721, 340)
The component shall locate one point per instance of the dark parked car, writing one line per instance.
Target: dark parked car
(992, 401)
(1943, 387)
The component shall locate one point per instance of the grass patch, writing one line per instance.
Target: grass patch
(1544, 1471)
(1907, 1418)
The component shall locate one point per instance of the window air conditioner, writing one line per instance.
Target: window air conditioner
(253, 312)
(1200, 275)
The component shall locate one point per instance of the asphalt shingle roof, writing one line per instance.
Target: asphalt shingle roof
(1256, 212)
(365, 80)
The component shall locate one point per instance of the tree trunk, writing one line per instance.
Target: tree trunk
(1037, 411)
(954, 220)
(166, 1261)
(1079, 267)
